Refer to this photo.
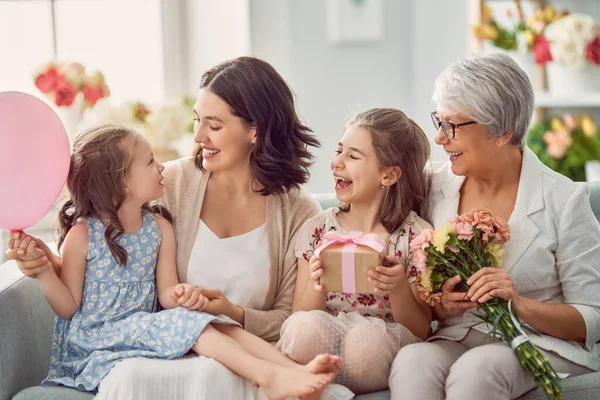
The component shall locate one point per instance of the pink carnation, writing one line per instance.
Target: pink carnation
(463, 230)
(419, 260)
(502, 230)
(422, 241)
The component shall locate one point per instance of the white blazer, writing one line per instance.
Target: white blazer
(553, 254)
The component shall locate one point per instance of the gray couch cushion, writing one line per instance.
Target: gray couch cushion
(25, 331)
(52, 393)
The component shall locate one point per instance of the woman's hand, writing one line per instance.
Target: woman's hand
(453, 302)
(31, 259)
(218, 303)
(488, 283)
(388, 279)
(189, 296)
(316, 272)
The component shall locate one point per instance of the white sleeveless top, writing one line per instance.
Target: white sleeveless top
(238, 265)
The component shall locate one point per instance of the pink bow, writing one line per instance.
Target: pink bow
(350, 241)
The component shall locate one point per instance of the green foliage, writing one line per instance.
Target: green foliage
(572, 164)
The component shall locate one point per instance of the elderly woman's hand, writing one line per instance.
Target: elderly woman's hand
(488, 283)
(453, 302)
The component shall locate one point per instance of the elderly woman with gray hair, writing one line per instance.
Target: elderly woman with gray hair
(552, 265)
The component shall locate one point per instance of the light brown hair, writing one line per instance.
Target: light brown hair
(96, 183)
(398, 142)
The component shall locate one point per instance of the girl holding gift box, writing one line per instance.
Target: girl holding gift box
(118, 264)
(379, 178)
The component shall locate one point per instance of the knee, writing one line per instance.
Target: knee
(415, 357)
(366, 341)
(481, 361)
(306, 333)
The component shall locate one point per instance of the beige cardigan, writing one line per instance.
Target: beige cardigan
(184, 193)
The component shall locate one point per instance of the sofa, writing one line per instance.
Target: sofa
(26, 327)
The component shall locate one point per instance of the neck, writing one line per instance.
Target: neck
(235, 182)
(364, 217)
(130, 216)
(502, 171)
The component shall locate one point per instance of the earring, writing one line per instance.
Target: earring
(383, 187)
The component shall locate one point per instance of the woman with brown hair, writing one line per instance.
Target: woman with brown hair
(237, 206)
(379, 179)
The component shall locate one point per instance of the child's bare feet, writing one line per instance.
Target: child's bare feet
(284, 382)
(324, 363)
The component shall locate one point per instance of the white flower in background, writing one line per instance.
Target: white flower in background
(569, 37)
(165, 125)
(104, 112)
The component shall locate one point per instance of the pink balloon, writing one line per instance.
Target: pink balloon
(34, 159)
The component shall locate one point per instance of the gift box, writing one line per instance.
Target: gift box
(347, 258)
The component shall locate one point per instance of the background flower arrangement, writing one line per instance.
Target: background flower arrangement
(166, 126)
(63, 82)
(569, 39)
(566, 144)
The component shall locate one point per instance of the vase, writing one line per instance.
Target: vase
(71, 116)
(592, 171)
(563, 79)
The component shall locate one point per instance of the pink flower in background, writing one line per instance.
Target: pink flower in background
(570, 122)
(592, 52)
(47, 80)
(541, 50)
(93, 94)
(557, 143)
(64, 94)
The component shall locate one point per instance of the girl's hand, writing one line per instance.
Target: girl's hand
(316, 271)
(488, 283)
(453, 302)
(388, 279)
(189, 296)
(31, 259)
(218, 304)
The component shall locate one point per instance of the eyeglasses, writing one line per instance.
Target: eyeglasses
(447, 127)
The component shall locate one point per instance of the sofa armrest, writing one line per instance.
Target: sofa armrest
(25, 331)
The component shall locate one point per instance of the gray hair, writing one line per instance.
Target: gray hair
(489, 88)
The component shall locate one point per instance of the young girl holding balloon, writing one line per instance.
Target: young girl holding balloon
(118, 264)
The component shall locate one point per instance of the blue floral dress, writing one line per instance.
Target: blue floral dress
(118, 316)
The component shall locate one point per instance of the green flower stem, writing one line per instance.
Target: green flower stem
(497, 315)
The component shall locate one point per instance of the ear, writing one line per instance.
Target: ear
(391, 175)
(253, 134)
(504, 139)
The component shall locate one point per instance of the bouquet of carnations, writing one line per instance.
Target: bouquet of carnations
(462, 246)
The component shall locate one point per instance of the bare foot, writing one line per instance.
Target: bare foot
(324, 363)
(285, 382)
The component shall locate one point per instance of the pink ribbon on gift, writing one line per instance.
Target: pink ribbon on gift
(350, 241)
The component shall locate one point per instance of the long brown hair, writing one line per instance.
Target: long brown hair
(96, 183)
(398, 142)
(259, 96)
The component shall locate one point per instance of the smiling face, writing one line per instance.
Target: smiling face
(358, 176)
(471, 149)
(144, 179)
(226, 140)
